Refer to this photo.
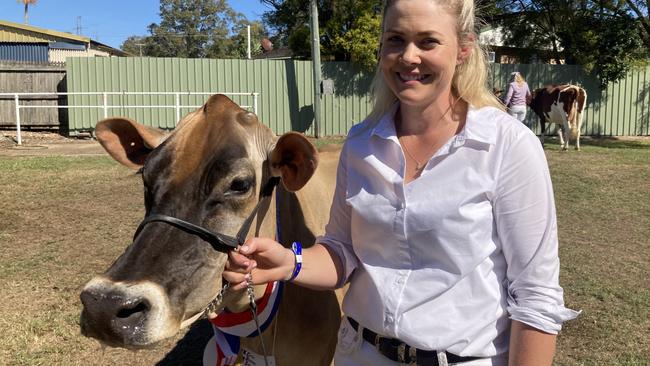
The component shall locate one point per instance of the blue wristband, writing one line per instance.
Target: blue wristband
(296, 248)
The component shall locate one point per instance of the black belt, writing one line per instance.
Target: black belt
(399, 351)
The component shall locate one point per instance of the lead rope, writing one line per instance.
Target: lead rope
(253, 305)
(249, 288)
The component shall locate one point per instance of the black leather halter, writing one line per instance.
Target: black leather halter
(219, 242)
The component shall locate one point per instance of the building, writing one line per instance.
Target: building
(24, 43)
(499, 52)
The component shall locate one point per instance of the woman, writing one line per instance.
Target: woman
(447, 238)
(517, 97)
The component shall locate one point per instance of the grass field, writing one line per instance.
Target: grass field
(64, 219)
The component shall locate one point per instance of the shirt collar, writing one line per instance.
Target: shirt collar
(385, 128)
(480, 127)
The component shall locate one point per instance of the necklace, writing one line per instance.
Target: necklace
(420, 166)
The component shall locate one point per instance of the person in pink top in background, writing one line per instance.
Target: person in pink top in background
(517, 97)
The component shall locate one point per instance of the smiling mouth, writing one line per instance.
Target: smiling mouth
(412, 77)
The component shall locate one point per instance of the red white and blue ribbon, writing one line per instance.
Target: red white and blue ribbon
(230, 327)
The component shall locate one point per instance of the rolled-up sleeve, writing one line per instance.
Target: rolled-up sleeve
(526, 224)
(338, 237)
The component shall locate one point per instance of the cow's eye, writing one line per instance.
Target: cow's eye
(240, 186)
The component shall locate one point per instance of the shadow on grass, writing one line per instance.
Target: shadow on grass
(604, 142)
(189, 350)
(616, 143)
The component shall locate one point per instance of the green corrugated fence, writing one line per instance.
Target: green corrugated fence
(285, 92)
(621, 109)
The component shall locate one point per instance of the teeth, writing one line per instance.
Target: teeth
(411, 77)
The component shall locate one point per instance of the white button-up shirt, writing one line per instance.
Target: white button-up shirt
(443, 261)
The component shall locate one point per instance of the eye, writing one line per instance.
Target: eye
(430, 43)
(394, 40)
(240, 186)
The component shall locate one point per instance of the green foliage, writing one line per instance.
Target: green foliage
(624, 50)
(134, 45)
(197, 29)
(239, 39)
(299, 42)
(361, 42)
(349, 29)
(592, 34)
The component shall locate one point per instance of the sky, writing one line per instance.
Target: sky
(109, 22)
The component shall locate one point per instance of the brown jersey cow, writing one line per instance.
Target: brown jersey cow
(208, 171)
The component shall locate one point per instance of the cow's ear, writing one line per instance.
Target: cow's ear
(127, 141)
(294, 159)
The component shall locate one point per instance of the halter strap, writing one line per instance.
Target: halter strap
(219, 242)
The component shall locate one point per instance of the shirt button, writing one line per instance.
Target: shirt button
(400, 281)
(389, 318)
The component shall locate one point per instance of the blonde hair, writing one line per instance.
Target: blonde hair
(519, 78)
(470, 79)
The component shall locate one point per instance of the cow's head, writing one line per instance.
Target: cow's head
(208, 171)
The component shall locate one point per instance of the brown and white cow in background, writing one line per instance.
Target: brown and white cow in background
(564, 105)
(209, 171)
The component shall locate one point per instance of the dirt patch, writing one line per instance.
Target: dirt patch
(46, 144)
(66, 218)
(43, 143)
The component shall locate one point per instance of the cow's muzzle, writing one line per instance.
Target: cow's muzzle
(114, 318)
(126, 314)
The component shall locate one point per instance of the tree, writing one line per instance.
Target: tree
(286, 18)
(353, 31)
(587, 33)
(134, 45)
(26, 12)
(188, 28)
(637, 9)
(195, 29)
(349, 28)
(239, 46)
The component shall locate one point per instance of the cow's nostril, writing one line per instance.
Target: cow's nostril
(127, 311)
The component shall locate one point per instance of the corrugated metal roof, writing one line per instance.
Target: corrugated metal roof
(16, 32)
(24, 52)
(68, 46)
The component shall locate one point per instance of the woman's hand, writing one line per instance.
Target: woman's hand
(269, 259)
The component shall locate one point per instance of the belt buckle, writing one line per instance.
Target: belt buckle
(413, 356)
(412, 359)
(401, 353)
(379, 345)
(378, 342)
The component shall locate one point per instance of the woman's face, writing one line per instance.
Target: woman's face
(419, 51)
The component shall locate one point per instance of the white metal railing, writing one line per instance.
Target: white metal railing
(105, 106)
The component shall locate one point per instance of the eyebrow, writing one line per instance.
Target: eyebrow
(423, 33)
